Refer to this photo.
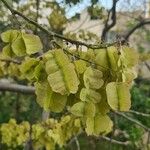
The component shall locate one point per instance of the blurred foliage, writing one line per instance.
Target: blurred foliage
(96, 12)
(18, 106)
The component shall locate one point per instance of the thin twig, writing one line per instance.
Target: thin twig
(138, 25)
(37, 13)
(13, 87)
(138, 113)
(147, 65)
(11, 61)
(78, 57)
(77, 143)
(115, 141)
(133, 120)
(108, 26)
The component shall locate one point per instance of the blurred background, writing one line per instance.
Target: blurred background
(91, 21)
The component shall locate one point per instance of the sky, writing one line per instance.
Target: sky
(105, 3)
(81, 6)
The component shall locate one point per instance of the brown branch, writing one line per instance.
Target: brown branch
(53, 34)
(11, 61)
(13, 87)
(115, 141)
(137, 26)
(37, 9)
(108, 26)
(147, 65)
(133, 120)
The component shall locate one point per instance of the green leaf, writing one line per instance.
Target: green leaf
(32, 43)
(83, 109)
(90, 95)
(49, 100)
(118, 96)
(61, 73)
(93, 78)
(100, 124)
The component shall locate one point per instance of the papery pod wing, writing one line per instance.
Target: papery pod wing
(80, 66)
(129, 75)
(7, 51)
(89, 109)
(93, 78)
(49, 100)
(39, 72)
(90, 95)
(32, 43)
(83, 109)
(100, 124)
(87, 55)
(102, 59)
(118, 96)
(61, 74)
(113, 57)
(18, 46)
(129, 56)
(9, 36)
(102, 107)
(43, 93)
(13, 70)
(2, 69)
(28, 66)
(3, 66)
(57, 102)
(78, 109)
(22, 43)
(57, 83)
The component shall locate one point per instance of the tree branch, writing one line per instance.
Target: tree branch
(77, 143)
(147, 65)
(138, 113)
(108, 26)
(115, 141)
(11, 61)
(53, 34)
(12, 87)
(37, 13)
(133, 120)
(138, 25)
